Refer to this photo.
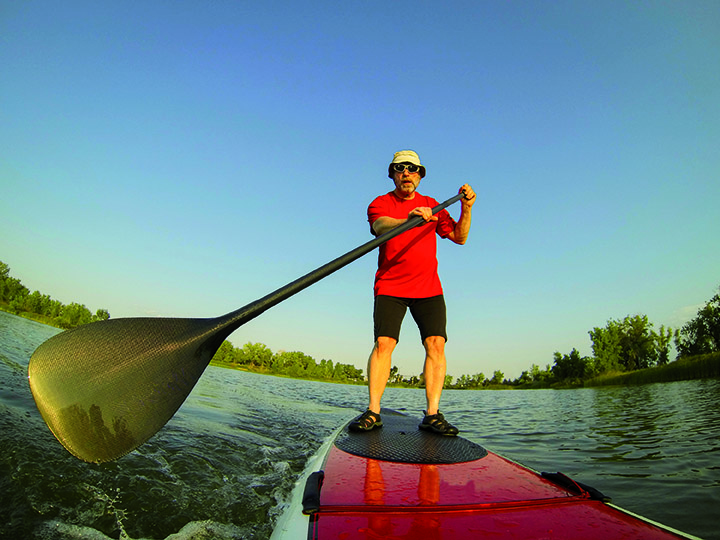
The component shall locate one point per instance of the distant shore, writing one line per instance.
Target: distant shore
(706, 366)
(699, 367)
(691, 368)
(42, 319)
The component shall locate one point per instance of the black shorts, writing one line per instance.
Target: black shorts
(429, 314)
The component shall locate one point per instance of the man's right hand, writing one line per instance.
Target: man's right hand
(424, 212)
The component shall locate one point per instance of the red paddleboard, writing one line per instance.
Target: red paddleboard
(399, 482)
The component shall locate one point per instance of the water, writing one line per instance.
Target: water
(224, 466)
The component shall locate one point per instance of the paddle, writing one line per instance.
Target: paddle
(107, 387)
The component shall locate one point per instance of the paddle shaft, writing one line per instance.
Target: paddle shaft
(239, 317)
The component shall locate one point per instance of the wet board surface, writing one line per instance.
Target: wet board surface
(399, 482)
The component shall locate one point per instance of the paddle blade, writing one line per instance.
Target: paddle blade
(107, 387)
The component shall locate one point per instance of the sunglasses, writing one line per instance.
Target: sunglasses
(400, 167)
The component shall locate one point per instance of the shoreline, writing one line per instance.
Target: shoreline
(692, 368)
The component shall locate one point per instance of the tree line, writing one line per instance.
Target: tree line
(632, 344)
(621, 346)
(258, 357)
(17, 298)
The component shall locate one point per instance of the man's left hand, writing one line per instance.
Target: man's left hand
(470, 196)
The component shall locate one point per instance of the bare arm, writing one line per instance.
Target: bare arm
(462, 229)
(384, 223)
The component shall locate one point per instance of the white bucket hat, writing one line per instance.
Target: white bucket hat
(406, 156)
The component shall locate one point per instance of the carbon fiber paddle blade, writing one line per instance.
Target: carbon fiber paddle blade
(107, 387)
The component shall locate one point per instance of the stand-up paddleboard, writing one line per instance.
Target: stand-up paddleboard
(399, 482)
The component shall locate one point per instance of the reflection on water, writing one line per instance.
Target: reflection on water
(628, 426)
(649, 423)
(87, 436)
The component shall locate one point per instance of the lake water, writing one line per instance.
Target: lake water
(225, 464)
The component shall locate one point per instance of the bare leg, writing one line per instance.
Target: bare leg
(435, 368)
(379, 370)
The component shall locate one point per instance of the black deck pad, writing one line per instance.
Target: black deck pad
(400, 440)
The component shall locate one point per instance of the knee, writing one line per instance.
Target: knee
(435, 345)
(385, 345)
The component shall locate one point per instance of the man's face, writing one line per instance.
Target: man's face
(406, 183)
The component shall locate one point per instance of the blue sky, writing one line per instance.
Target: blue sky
(186, 158)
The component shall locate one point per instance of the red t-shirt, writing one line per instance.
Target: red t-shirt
(407, 264)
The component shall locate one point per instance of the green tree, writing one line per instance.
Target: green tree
(256, 354)
(571, 367)
(325, 369)
(413, 380)
(466, 382)
(628, 345)
(702, 334)
(639, 350)
(294, 364)
(34, 303)
(225, 354)
(607, 347)
(74, 315)
(354, 374)
(498, 377)
(54, 308)
(101, 315)
(339, 373)
(539, 375)
(20, 300)
(12, 290)
(664, 337)
(346, 372)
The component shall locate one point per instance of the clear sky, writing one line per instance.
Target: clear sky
(187, 158)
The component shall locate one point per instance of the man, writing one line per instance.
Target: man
(407, 278)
